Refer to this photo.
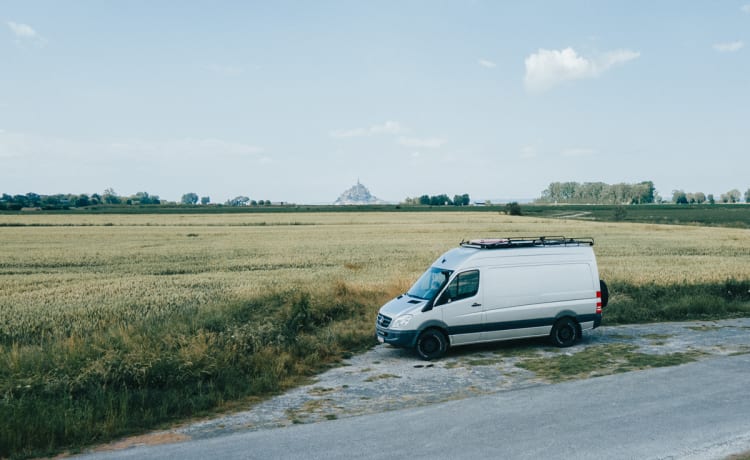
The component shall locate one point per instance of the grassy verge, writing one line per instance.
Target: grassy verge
(70, 391)
(646, 303)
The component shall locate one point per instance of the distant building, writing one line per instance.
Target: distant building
(358, 194)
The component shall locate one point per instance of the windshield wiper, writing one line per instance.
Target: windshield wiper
(415, 296)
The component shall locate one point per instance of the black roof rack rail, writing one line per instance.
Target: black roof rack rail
(526, 242)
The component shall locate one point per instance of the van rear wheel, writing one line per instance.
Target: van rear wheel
(431, 344)
(564, 333)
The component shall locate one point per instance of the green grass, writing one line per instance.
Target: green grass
(601, 360)
(81, 390)
(677, 302)
(716, 215)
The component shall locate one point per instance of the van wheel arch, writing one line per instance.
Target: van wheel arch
(565, 332)
(432, 343)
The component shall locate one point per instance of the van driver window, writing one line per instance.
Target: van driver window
(464, 285)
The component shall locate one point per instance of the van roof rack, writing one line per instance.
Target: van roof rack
(526, 242)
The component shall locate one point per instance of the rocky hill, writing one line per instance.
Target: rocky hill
(358, 194)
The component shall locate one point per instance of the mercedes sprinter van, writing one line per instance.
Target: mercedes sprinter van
(498, 289)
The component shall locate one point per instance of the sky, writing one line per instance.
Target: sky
(296, 101)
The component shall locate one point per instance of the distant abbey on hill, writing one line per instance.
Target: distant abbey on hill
(358, 194)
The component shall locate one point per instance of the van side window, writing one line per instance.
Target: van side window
(464, 285)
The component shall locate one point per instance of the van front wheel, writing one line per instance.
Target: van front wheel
(431, 344)
(564, 332)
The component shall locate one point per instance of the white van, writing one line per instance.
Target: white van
(499, 289)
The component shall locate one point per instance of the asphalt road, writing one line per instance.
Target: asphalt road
(698, 410)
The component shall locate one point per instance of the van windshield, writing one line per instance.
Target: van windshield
(429, 284)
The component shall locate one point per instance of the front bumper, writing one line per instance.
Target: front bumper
(405, 339)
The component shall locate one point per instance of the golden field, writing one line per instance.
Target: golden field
(70, 273)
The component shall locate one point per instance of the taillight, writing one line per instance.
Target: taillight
(599, 302)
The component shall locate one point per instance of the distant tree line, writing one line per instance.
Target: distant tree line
(640, 193)
(599, 193)
(108, 198)
(439, 200)
(68, 200)
(732, 196)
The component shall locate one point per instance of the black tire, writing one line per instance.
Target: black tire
(431, 344)
(564, 333)
(605, 293)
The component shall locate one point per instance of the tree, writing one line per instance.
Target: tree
(440, 200)
(599, 193)
(144, 198)
(205, 200)
(110, 197)
(700, 197)
(747, 196)
(34, 199)
(647, 192)
(189, 198)
(732, 196)
(711, 199)
(679, 197)
(424, 200)
(83, 200)
(513, 209)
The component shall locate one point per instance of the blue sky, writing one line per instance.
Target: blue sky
(296, 101)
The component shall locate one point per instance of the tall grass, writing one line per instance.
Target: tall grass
(677, 302)
(75, 390)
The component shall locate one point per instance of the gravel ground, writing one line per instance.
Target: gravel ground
(387, 378)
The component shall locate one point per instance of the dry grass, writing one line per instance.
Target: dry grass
(79, 272)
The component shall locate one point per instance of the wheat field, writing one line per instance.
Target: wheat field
(70, 274)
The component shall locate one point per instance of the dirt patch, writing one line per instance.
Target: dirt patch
(151, 439)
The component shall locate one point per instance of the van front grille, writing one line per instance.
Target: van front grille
(384, 321)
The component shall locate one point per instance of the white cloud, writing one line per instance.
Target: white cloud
(729, 47)
(389, 127)
(487, 64)
(746, 8)
(428, 143)
(578, 152)
(22, 30)
(548, 68)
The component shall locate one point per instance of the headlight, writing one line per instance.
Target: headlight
(401, 321)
